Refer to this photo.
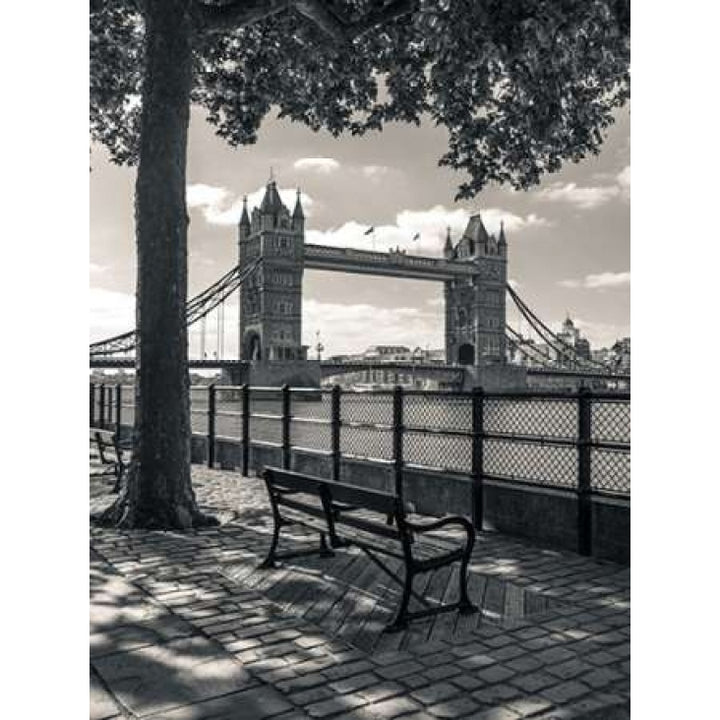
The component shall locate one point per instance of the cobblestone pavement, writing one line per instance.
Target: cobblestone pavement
(182, 627)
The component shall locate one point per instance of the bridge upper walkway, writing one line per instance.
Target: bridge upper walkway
(393, 264)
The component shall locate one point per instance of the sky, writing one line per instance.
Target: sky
(568, 238)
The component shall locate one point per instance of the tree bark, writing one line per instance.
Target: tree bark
(158, 492)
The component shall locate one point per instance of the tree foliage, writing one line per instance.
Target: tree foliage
(520, 85)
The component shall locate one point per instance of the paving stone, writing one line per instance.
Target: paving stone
(392, 672)
(391, 657)
(252, 704)
(467, 682)
(354, 668)
(335, 705)
(534, 681)
(394, 707)
(375, 693)
(415, 681)
(476, 661)
(569, 669)
(354, 683)
(496, 713)
(564, 692)
(435, 693)
(496, 673)
(102, 704)
(530, 705)
(554, 655)
(442, 672)
(508, 652)
(313, 695)
(526, 663)
(453, 708)
(496, 694)
(187, 670)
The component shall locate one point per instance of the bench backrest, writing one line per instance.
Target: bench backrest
(374, 500)
(106, 444)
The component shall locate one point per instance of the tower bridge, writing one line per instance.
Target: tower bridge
(474, 273)
(272, 258)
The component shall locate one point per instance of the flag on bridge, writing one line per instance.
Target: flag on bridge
(369, 230)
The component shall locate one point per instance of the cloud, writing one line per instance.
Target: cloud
(344, 327)
(432, 225)
(599, 281)
(590, 197)
(111, 313)
(374, 172)
(585, 198)
(623, 180)
(219, 207)
(324, 165)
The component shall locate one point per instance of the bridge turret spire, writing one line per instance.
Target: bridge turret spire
(448, 249)
(244, 223)
(298, 216)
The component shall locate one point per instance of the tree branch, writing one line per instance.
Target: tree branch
(212, 18)
(237, 14)
(391, 11)
(326, 20)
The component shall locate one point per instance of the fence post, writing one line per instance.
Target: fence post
(245, 396)
(478, 448)
(102, 405)
(118, 410)
(335, 431)
(92, 404)
(398, 431)
(285, 427)
(584, 488)
(211, 426)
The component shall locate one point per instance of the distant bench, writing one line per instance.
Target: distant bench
(112, 453)
(331, 508)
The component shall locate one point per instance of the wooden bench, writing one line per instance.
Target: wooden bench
(331, 509)
(112, 453)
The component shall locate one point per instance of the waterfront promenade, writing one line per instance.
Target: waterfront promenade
(184, 627)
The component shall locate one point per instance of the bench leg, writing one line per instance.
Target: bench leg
(269, 561)
(325, 550)
(401, 619)
(465, 605)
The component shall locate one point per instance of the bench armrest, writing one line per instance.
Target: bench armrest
(464, 523)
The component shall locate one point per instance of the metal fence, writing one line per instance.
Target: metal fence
(578, 441)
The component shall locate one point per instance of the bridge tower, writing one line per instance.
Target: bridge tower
(271, 298)
(475, 306)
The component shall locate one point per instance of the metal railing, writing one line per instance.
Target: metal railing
(578, 442)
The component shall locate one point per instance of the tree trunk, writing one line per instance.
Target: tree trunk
(158, 492)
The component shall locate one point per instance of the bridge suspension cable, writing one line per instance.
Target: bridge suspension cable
(197, 308)
(557, 343)
(517, 341)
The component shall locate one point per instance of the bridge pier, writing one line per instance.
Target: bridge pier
(296, 373)
(495, 378)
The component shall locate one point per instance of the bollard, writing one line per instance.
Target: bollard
(211, 426)
(398, 431)
(118, 411)
(584, 487)
(335, 431)
(245, 408)
(478, 420)
(102, 406)
(285, 426)
(92, 404)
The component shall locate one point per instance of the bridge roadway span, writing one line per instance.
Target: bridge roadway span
(333, 368)
(393, 264)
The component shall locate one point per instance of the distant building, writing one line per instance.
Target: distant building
(379, 377)
(572, 346)
(621, 355)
